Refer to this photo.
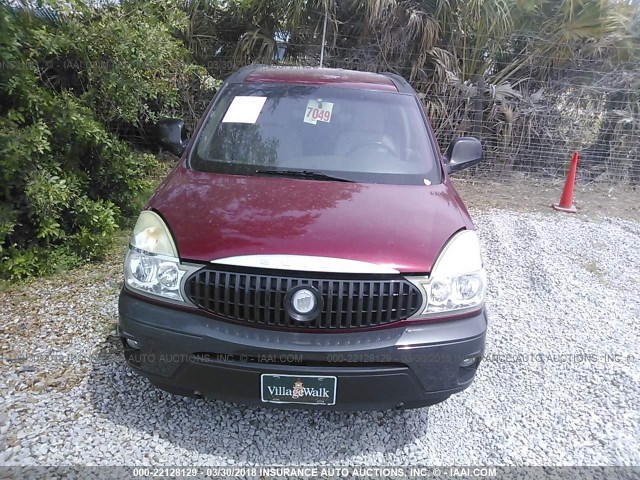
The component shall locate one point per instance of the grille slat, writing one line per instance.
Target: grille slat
(339, 316)
(380, 303)
(236, 295)
(258, 299)
(388, 301)
(359, 304)
(400, 300)
(328, 305)
(267, 301)
(369, 307)
(349, 320)
(216, 304)
(247, 312)
(225, 289)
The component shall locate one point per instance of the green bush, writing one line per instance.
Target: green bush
(124, 63)
(66, 85)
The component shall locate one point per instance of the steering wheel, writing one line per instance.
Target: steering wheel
(378, 146)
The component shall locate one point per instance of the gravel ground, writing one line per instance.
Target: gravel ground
(560, 385)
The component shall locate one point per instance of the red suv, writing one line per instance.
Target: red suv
(308, 250)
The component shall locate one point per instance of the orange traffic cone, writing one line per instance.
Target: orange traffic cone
(566, 201)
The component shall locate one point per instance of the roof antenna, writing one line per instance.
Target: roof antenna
(324, 33)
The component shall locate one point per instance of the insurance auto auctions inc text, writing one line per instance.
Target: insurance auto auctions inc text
(371, 472)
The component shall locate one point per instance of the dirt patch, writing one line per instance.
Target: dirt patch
(47, 323)
(525, 195)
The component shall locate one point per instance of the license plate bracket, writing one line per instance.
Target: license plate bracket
(302, 389)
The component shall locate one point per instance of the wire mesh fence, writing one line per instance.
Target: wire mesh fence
(532, 97)
(529, 128)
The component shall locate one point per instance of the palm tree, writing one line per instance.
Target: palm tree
(455, 52)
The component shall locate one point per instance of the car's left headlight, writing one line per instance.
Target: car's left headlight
(457, 282)
(152, 265)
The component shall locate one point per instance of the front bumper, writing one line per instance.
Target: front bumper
(408, 367)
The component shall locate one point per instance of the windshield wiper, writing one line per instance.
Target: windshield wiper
(302, 174)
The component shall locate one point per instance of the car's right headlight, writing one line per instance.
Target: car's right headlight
(152, 265)
(457, 282)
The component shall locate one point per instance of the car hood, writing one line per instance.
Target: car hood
(213, 216)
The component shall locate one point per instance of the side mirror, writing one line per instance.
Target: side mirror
(172, 135)
(463, 152)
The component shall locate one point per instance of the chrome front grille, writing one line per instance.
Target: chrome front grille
(258, 298)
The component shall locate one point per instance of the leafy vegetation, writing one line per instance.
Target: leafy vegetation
(67, 88)
(535, 79)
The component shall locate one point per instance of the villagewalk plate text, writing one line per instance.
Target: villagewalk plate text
(306, 389)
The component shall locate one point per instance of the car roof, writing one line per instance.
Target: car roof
(317, 76)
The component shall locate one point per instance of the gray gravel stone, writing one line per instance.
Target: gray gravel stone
(560, 384)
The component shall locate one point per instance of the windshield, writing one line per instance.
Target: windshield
(354, 135)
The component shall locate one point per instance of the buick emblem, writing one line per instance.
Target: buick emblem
(303, 303)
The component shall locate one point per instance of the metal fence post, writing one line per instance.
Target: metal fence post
(478, 109)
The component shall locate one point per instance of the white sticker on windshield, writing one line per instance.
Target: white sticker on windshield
(318, 111)
(244, 109)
